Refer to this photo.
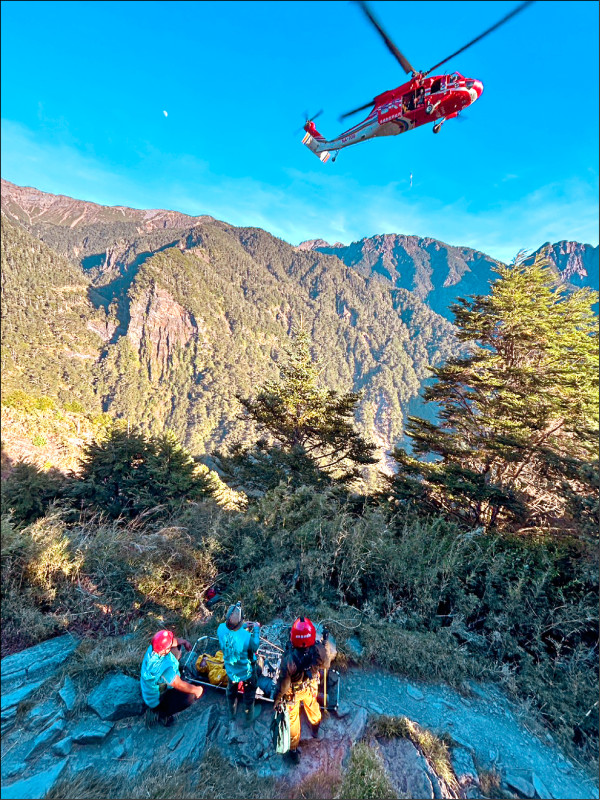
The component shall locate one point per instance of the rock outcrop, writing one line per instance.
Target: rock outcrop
(51, 741)
(161, 324)
(117, 697)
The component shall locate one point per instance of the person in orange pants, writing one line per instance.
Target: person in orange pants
(298, 680)
(306, 695)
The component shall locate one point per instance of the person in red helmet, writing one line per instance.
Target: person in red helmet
(163, 690)
(298, 681)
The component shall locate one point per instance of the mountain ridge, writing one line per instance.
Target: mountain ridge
(181, 314)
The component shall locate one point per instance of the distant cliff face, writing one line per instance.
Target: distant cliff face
(438, 273)
(576, 262)
(160, 325)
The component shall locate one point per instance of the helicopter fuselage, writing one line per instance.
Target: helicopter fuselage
(421, 100)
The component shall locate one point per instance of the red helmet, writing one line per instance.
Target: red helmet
(162, 641)
(304, 633)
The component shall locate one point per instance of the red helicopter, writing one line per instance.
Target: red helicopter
(424, 98)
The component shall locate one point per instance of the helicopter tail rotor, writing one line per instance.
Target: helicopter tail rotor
(308, 120)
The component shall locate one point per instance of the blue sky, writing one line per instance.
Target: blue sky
(85, 86)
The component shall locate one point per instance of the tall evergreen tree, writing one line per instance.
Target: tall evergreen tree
(311, 426)
(518, 416)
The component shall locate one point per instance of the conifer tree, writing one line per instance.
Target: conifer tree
(127, 473)
(518, 416)
(311, 426)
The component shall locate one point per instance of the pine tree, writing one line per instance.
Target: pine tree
(312, 426)
(518, 416)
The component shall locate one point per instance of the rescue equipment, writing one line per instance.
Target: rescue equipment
(280, 730)
(213, 667)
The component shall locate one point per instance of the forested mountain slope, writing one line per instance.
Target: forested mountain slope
(164, 318)
(179, 321)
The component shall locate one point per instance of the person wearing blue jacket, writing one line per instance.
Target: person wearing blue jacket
(239, 643)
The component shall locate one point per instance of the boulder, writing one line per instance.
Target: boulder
(45, 739)
(342, 710)
(413, 692)
(541, 790)
(68, 694)
(355, 724)
(118, 751)
(118, 696)
(407, 769)
(354, 647)
(41, 715)
(37, 786)
(175, 740)
(90, 730)
(63, 747)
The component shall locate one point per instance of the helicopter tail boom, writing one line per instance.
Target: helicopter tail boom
(316, 146)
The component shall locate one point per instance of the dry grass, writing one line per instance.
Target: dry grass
(213, 779)
(490, 782)
(321, 785)
(366, 778)
(434, 748)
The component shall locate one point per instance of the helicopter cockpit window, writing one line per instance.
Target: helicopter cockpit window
(436, 85)
(469, 84)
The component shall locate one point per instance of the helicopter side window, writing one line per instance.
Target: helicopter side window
(436, 85)
(408, 101)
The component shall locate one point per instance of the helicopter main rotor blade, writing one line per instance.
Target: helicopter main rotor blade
(481, 35)
(356, 110)
(404, 62)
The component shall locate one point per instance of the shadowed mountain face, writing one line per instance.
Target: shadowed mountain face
(438, 273)
(164, 318)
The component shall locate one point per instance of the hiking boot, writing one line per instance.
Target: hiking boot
(231, 708)
(251, 713)
(166, 721)
(293, 756)
(316, 731)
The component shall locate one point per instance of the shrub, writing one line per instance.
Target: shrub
(127, 473)
(28, 491)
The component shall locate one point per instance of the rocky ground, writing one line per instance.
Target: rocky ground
(53, 728)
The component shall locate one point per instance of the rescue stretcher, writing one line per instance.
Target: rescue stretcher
(268, 659)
